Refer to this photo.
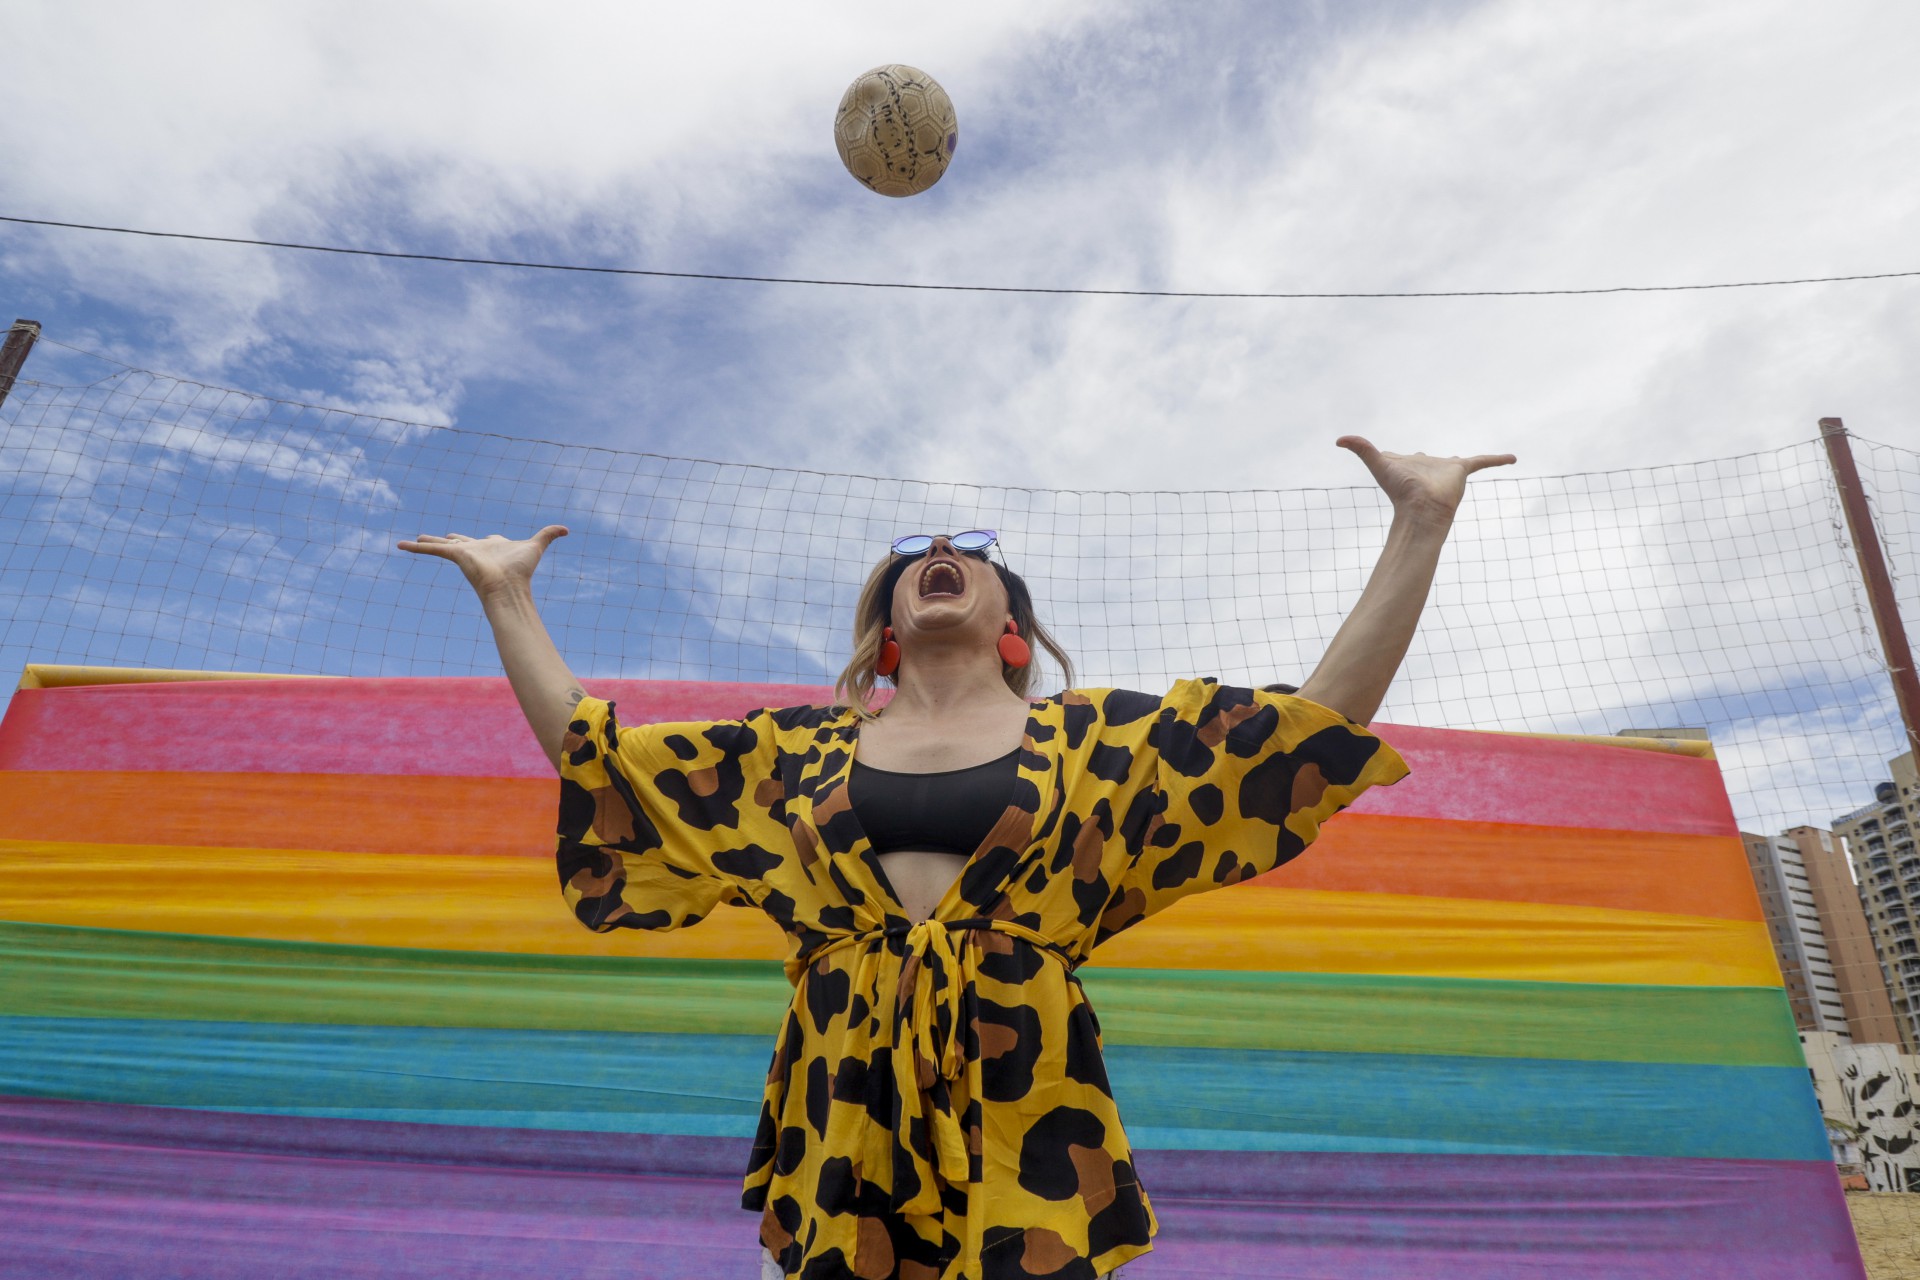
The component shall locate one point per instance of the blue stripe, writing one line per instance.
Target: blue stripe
(1178, 1098)
(1236, 1100)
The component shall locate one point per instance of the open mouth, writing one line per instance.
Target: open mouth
(942, 578)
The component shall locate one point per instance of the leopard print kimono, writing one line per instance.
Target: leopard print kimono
(937, 1106)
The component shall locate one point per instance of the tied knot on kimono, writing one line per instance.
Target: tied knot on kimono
(937, 973)
(927, 1003)
(926, 1039)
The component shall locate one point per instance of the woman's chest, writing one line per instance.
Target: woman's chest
(933, 744)
(1005, 862)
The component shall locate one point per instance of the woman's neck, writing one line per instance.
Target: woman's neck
(939, 682)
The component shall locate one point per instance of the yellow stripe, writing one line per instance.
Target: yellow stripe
(1698, 748)
(1317, 931)
(53, 675)
(460, 902)
(454, 902)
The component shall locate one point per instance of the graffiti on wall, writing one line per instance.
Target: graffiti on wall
(1877, 1084)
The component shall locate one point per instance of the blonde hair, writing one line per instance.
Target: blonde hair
(872, 614)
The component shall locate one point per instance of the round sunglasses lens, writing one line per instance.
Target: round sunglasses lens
(973, 540)
(912, 546)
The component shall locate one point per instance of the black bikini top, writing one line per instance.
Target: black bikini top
(948, 812)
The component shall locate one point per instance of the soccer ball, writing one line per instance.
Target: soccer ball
(895, 130)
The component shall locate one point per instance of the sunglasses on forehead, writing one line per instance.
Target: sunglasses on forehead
(972, 542)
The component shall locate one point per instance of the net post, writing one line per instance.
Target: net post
(20, 340)
(1873, 568)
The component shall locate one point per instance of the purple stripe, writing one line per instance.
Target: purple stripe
(150, 1194)
(141, 1193)
(1354, 1215)
(306, 1137)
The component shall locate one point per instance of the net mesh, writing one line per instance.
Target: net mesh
(151, 521)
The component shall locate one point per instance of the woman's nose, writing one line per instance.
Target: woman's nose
(941, 543)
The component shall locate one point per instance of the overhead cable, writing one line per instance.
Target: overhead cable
(953, 288)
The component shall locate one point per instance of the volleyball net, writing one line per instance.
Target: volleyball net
(150, 521)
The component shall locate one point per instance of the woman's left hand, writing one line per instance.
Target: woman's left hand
(1420, 487)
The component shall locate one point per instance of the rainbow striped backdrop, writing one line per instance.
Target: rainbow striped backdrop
(288, 991)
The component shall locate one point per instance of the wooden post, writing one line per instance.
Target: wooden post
(1873, 567)
(20, 340)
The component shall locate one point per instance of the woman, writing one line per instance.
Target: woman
(937, 1106)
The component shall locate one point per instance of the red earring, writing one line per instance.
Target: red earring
(1013, 650)
(889, 660)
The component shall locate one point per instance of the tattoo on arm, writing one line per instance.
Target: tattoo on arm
(574, 695)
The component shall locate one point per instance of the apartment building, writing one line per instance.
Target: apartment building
(1799, 939)
(1881, 845)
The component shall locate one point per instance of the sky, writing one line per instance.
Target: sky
(1274, 146)
(1228, 146)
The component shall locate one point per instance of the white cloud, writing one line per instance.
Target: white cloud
(596, 131)
(1497, 144)
(1503, 145)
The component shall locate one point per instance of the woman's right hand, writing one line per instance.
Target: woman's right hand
(490, 563)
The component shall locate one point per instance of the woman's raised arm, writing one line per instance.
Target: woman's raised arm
(501, 573)
(1366, 651)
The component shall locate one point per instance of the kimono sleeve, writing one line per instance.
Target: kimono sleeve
(641, 816)
(1241, 782)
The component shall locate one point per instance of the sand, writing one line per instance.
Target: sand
(1889, 1229)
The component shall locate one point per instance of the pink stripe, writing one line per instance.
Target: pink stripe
(1494, 777)
(143, 1193)
(471, 727)
(463, 727)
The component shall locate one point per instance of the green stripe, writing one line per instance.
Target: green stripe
(1351, 1013)
(64, 971)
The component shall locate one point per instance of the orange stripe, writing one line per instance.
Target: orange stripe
(349, 813)
(1631, 870)
(514, 817)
